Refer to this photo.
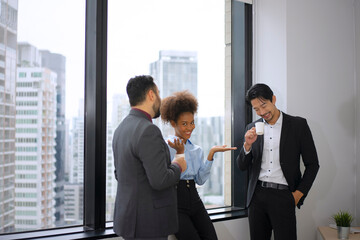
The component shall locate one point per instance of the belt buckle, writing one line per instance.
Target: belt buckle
(263, 184)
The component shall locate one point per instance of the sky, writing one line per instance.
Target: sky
(137, 31)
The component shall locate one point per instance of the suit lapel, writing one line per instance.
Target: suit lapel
(284, 134)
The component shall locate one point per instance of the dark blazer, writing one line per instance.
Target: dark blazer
(145, 204)
(295, 141)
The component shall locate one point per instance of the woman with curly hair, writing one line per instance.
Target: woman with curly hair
(194, 222)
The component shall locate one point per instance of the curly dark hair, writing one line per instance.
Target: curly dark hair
(176, 104)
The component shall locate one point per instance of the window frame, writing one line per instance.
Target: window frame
(95, 225)
(241, 80)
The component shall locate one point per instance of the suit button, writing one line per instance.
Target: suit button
(187, 181)
(188, 185)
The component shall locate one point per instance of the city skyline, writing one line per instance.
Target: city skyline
(44, 76)
(205, 36)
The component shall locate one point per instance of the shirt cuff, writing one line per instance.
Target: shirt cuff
(246, 152)
(209, 163)
(180, 155)
(177, 165)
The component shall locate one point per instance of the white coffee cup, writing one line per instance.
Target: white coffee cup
(259, 128)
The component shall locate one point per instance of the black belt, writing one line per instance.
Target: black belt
(272, 185)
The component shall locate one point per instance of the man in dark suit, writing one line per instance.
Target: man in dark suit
(276, 184)
(145, 205)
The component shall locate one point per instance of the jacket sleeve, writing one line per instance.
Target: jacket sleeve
(310, 160)
(155, 157)
(244, 160)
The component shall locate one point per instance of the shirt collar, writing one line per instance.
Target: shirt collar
(147, 115)
(278, 122)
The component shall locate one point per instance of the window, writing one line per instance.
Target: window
(42, 80)
(92, 134)
(36, 74)
(181, 53)
(22, 74)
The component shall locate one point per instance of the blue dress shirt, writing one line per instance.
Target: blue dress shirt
(197, 169)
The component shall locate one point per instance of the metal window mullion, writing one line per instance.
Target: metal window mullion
(241, 80)
(95, 115)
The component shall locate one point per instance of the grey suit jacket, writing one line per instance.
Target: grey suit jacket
(145, 204)
(295, 141)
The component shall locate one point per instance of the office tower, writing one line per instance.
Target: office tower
(111, 182)
(56, 63)
(73, 189)
(35, 142)
(68, 152)
(209, 132)
(8, 41)
(77, 138)
(74, 193)
(175, 71)
(120, 109)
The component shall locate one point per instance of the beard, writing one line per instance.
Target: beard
(157, 113)
(156, 109)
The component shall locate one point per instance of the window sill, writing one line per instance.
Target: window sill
(216, 215)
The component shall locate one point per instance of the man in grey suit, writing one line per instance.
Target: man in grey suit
(145, 205)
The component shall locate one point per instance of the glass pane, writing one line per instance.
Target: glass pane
(181, 44)
(41, 136)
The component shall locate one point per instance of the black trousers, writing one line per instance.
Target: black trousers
(194, 222)
(272, 209)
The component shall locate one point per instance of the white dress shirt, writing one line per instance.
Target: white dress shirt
(270, 164)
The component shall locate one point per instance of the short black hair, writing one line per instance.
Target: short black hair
(137, 87)
(259, 90)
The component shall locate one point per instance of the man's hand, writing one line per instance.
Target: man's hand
(250, 138)
(182, 163)
(178, 145)
(297, 196)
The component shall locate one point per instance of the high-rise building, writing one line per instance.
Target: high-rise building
(111, 182)
(68, 152)
(209, 132)
(8, 42)
(73, 189)
(35, 143)
(56, 63)
(175, 71)
(120, 109)
(77, 140)
(74, 193)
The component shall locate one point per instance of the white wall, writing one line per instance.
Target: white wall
(270, 45)
(357, 122)
(305, 50)
(321, 80)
